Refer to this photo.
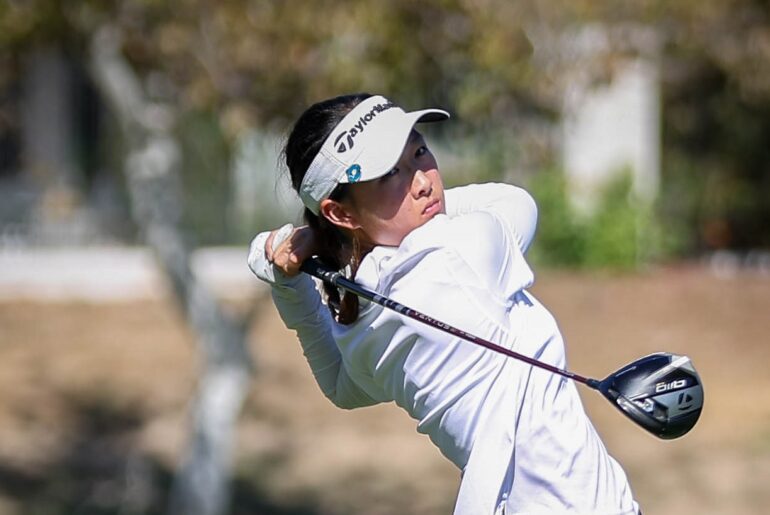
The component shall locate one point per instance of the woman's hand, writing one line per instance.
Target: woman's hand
(286, 248)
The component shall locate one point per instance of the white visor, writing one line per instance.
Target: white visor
(365, 145)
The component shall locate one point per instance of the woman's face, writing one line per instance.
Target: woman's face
(384, 210)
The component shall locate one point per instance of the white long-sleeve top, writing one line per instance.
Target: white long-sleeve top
(519, 434)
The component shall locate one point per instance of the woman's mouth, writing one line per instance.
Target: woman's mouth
(432, 208)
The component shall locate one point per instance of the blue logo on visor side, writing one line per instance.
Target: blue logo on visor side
(354, 173)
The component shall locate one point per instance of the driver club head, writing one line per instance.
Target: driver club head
(661, 392)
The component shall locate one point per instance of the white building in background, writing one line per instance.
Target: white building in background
(611, 126)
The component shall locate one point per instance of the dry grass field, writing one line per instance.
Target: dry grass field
(94, 399)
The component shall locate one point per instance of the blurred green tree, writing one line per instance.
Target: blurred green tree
(260, 63)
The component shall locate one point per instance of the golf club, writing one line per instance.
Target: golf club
(661, 392)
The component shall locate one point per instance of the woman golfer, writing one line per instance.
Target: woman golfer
(377, 209)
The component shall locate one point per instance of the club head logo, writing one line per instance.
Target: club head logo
(354, 173)
(673, 385)
(685, 401)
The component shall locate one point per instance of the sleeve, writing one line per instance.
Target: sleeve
(474, 277)
(514, 205)
(446, 287)
(299, 304)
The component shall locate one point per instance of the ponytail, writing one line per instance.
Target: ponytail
(336, 250)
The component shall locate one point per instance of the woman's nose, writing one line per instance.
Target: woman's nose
(421, 184)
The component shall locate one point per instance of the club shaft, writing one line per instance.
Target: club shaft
(316, 269)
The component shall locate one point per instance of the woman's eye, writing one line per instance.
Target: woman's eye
(421, 151)
(391, 173)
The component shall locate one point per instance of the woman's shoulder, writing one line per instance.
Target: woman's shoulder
(476, 246)
(447, 231)
(479, 240)
(480, 231)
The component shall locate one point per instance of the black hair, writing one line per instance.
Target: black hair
(335, 247)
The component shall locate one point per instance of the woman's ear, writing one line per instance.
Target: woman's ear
(339, 214)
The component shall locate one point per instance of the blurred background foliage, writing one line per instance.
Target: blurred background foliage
(621, 233)
(230, 76)
(235, 67)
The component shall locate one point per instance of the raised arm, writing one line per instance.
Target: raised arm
(300, 307)
(513, 205)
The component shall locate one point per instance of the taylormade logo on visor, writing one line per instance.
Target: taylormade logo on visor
(350, 134)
